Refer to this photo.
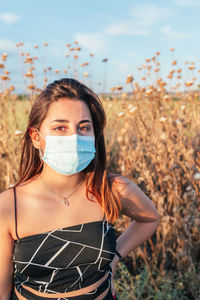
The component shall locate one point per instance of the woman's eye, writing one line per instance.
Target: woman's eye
(85, 128)
(60, 128)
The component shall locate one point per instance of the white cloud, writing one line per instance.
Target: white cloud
(7, 45)
(125, 28)
(142, 19)
(187, 3)
(9, 18)
(150, 14)
(121, 66)
(94, 42)
(168, 31)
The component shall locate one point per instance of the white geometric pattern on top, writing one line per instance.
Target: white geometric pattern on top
(65, 259)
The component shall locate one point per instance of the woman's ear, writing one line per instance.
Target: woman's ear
(35, 137)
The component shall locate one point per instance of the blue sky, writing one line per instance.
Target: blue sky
(126, 32)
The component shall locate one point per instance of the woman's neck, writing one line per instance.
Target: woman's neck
(60, 183)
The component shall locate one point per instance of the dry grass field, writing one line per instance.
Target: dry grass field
(153, 138)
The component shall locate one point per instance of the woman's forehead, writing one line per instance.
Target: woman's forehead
(68, 108)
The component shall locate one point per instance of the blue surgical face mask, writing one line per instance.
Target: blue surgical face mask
(68, 155)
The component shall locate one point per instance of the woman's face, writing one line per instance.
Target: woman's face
(67, 117)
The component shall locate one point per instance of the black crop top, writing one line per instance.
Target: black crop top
(65, 259)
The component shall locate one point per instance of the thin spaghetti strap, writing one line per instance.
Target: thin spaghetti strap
(104, 216)
(15, 201)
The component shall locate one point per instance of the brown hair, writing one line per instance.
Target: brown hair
(99, 182)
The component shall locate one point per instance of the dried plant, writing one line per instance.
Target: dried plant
(155, 142)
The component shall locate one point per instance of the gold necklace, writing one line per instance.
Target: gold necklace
(64, 198)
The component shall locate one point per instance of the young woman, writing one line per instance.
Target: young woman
(56, 235)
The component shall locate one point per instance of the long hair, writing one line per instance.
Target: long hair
(99, 183)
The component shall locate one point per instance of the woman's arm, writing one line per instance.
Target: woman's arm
(137, 206)
(6, 246)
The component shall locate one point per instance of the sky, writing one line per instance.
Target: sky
(126, 32)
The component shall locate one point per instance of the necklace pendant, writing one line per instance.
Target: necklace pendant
(65, 201)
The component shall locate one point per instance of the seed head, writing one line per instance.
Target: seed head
(18, 132)
(28, 60)
(132, 110)
(12, 88)
(4, 56)
(31, 87)
(5, 77)
(197, 176)
(121, 114)
(149, 92)
(129, 79)
(84, 64)
(189, 83)
(29, 75)
(163, 119)
(191, 67)
(166, 97)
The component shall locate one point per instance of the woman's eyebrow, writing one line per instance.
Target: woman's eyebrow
(60, 120)
(67, 121)
(84, 121)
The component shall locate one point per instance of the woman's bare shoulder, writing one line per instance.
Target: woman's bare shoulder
(5, 201)
(122, 184)
(135, 203)
(6, 209)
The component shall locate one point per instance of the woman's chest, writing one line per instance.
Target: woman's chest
(68, 247)
(45, 215)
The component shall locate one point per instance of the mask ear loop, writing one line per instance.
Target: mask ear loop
(40, 134)
(40, 151)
